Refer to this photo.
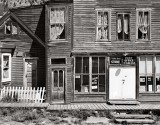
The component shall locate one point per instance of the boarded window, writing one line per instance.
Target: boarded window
(57, 23)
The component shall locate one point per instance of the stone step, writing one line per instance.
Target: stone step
(131, 116)
(135, 121)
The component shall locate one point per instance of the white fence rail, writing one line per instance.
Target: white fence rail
(23, 94)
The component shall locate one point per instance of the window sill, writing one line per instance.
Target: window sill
(142, 41)
(149, 92)
(103, 41)
(57, 41)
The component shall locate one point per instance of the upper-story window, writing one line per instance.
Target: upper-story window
(57, 23)
(123, 30)
(143, 24)
(103, 23)
(11, 28)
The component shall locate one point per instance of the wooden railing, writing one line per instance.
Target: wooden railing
(23, 94)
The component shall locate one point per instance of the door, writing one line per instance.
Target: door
(58, 82)
(122, 83)
(30, 73)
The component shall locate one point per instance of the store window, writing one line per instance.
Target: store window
(90, 75)
(103, 25)
(6, 67)
(143, 24)
(57, 23)
(123, 29)
(149, 78)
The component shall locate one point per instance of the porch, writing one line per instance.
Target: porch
(81, 106)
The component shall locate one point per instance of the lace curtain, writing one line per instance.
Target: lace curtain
(143, 23)
(57, 23)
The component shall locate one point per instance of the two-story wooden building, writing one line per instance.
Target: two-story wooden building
(116, 51)
(84, 50)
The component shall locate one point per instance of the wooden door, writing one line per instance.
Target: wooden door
(122, 83)
(30, 73)
(58, 83)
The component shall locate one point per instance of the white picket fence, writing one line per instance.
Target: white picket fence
(24, 94)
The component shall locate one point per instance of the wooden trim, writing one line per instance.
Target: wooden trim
(107, 76)
(30, 33)
(137, 79)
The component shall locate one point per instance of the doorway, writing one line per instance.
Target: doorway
(30, 73)
(58, 85)
(122, 82)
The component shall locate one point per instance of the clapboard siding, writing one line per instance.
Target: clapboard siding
(84, 22)
(60, 49)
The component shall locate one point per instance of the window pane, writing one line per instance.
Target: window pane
(101, 64)
(142, 65)
(6, 67)
(94, 64)
(149, 64)
(85, 64)
(126, 26)
(94, 83)
(85, 85)
(57, 15)
(157, 64)
(61, 78)
(55, 79)
(105, 18)
(100, 18)
(120, 26)
(150, 83)
(100, 33)
(78, 83)
(142, 84)
(78, 64)
(158, 83)
(101, 83)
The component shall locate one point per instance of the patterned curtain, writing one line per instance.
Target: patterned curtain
(57, 19)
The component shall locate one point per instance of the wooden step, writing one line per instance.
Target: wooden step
(132, 116)
(123, 102)
(135, 121)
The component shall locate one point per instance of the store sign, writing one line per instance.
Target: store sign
(127, 60)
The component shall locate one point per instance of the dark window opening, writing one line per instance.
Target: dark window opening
(58, 61)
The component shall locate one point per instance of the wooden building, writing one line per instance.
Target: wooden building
(84, 50)
(116, 51)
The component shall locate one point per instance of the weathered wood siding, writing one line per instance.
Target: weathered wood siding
(34, 19)
(60, 49)
(84, 23)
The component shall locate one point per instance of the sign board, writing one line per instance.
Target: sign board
(127, 60)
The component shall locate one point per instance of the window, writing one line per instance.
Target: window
(143, 24)
(146, 74)
(11, 28)
(90, 74)
(58, 61)
(57, 23)
(6, 67)
(123, 30)
(103, 22)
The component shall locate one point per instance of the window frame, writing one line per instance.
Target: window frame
(11, 24)
(90, 75)
(2, 55)
(123, 13)
(109, 24)
(65, 21)
(137, 13)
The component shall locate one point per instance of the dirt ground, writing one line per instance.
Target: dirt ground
(43, 117)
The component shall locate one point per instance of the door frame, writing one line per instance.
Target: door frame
(24, 68)
(135, 81)
(65, 82)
